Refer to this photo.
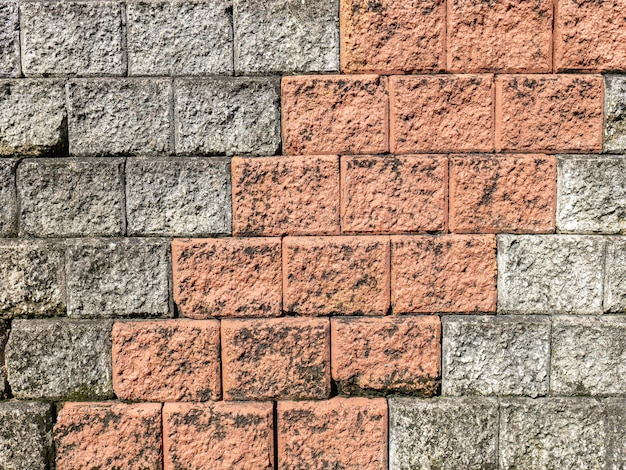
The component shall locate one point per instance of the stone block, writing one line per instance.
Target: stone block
(615, 276)
(615, 113)
(8, 196)
(615, 433)
(9, 39)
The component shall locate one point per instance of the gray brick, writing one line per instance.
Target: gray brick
(273, 36)
(9, 39)
(67, 197)
(118, 278)
(180, 37)
(495, 355)
(551, 433)
(8, 197)
(181, 196)
(33, 120)
(550, 274)
(76, 38)
(615, 114)
(31, 278)
(25, 435)
(443, 433)
(227, 116)
(591, 195)
(119, 116)
(615, 276)
(616, 433)
(4, 335)
(60, 359)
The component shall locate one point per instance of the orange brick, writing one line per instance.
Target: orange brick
(389, 354)
(590, 35)
(335, 115)
(279, 358)
(441, 113)
(227, 277)
(336, 275)
(345, 433)
(215, 436)
(391, 36)
(393, 194)
(286, 195)
(554, 113)
(511, 194)
(447, 274)
(108, 435)
(500, 36)
(173, 360)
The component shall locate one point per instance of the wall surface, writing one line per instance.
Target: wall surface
(312, 234)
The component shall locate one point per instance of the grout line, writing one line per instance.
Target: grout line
(275, 433)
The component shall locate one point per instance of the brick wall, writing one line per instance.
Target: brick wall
(312, 234)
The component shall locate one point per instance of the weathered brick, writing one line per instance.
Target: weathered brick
(31, 278)
(393, 194)
(227, 116)
(551, 433)
(391, 36)
(615, 113)
(399, 354)
(441, 113)
(346, 433)
(108, 435)
(450, 273)
(336, 275)
(60, 359)
(66, 197)
(589, 35)
(182, 196)
(500, 36)
(515, 194)
(277, 36)
(279, 358)
(213, 436)
(119, 116)
(335, 115)
(25, 435)
(180, 37)
(443, 433)
(227, 277)
(33, 120)
(615, 277)
(72, 38)
(542, 113)
(495, 356)
(117, 277)
(591, 194)
(9, 39)
(615, 431)
(286, 195)
(550, 274)
(8, 196)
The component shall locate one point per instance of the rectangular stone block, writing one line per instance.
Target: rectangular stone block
(9, 39)
(615, 113)
(550, 274)
(32, 279)
(72, 38)
(179, 197)
(443, 433)
(60, 359)
(591, 194)
(497, 356)
(615, 433)
(25, 435)
(277, 36)
(33, 119)
(125, 116)
(211, 436)
(180, 37)
(227, 116)
(277, 358)
(118, 277)
(67, 197)
(8, 197)
(615, 276)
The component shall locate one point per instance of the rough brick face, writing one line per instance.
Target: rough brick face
(227, 277)
(615, 276)
(453, 274)
(8, 197)
(9, 39)
(441, 113)
(391, 194)
(514, 194)
(172, 360)
(336, 275)
(286, 195)
(386, 355)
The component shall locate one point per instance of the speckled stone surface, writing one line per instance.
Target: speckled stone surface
(615, 276)
(8, 197)
(615, 113)
(9, 39)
